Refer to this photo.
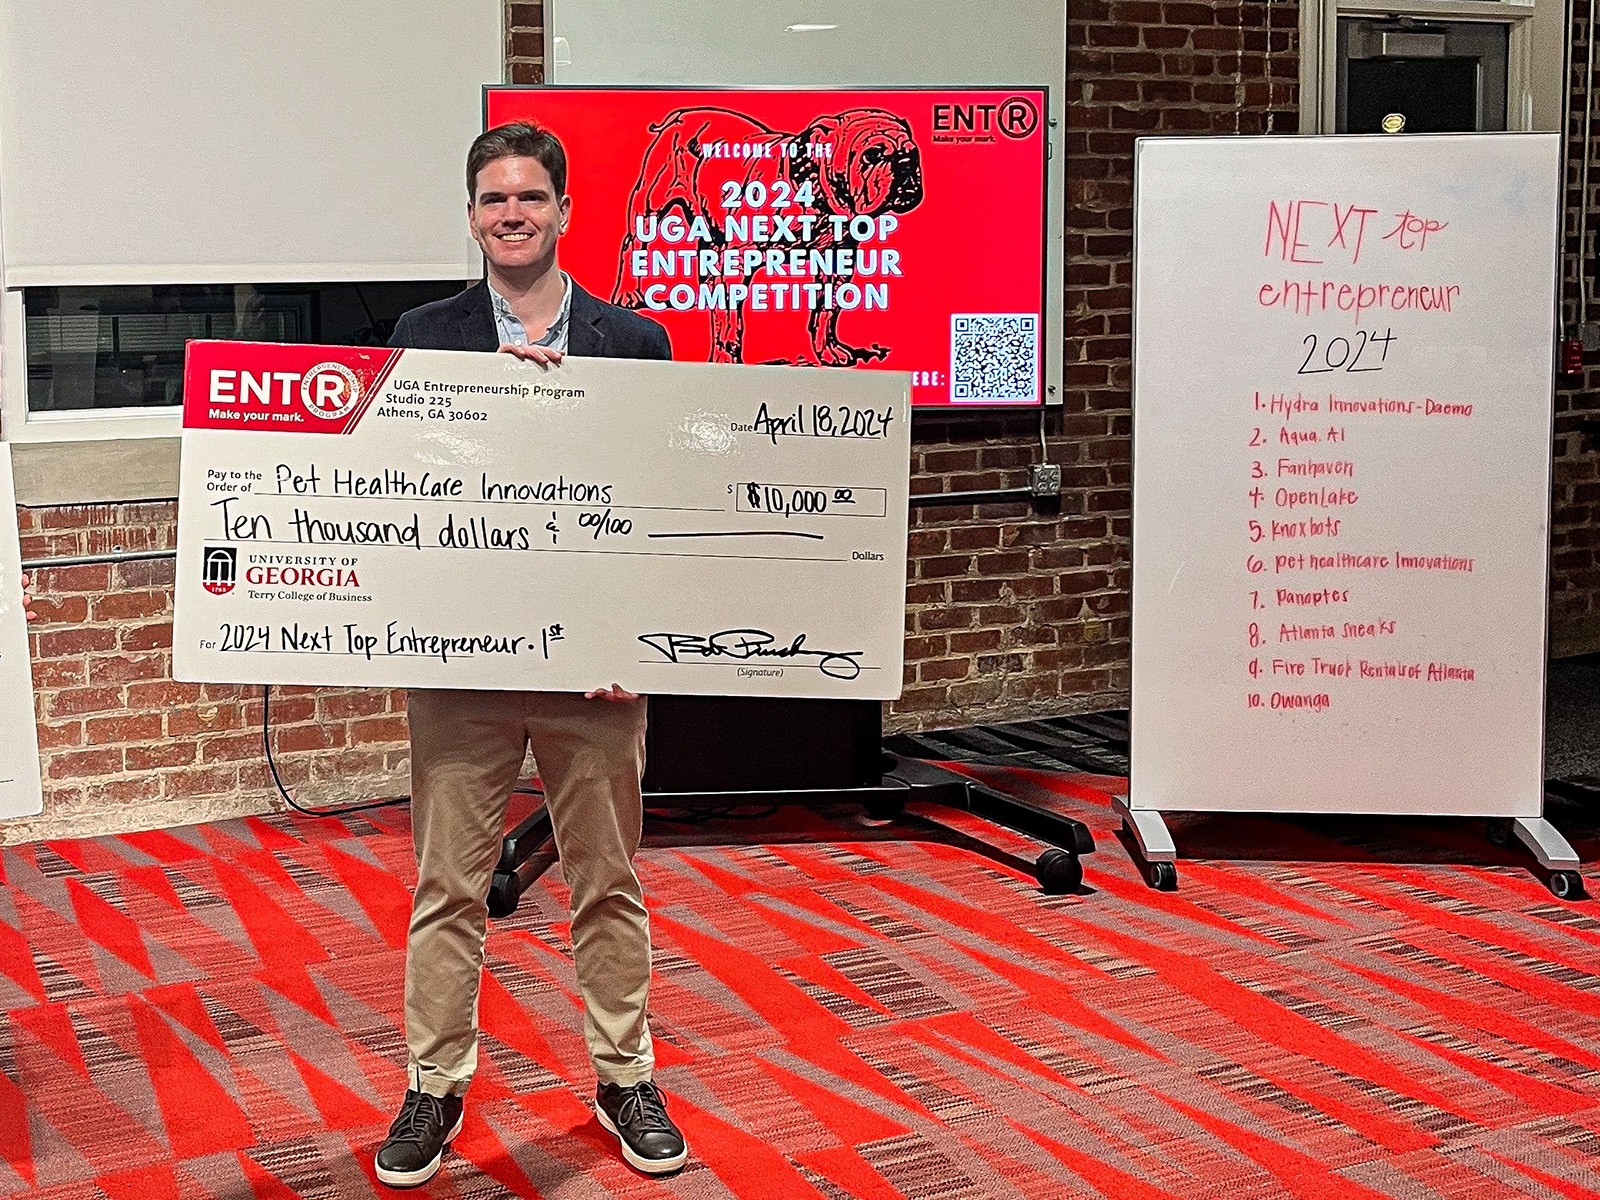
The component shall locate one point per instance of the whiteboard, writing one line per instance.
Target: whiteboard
(20, 790)
(847, 43)
(1342, 473)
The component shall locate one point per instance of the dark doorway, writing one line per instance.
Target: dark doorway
(1421, 77)
(1435, 95)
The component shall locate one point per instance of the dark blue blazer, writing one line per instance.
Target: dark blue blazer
(466, 322)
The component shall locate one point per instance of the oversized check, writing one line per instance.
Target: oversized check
(20, 791)
(430, 518)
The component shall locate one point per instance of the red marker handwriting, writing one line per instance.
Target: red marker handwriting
(1300, 229)
(1411, 232)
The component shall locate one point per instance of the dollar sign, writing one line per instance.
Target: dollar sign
(755, 495)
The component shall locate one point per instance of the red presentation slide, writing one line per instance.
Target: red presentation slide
(893, 228)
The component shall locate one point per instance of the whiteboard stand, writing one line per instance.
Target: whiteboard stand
(1342, 412)
(1546, 841)
(1157, 851)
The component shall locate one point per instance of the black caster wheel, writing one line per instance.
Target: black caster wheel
(1162, 876)
(1058, 872)
(1566, 885)
(504, 892)
(1499, 834)
(881, 809)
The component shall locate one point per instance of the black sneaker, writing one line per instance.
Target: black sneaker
(638, 1116)
(425, 1126)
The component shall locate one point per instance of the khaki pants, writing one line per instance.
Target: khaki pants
(466, 751)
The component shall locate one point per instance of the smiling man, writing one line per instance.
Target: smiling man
(467, 747)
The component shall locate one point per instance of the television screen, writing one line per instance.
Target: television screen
(899, 228)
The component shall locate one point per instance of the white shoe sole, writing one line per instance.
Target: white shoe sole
(650, 1166)
(405, 1179)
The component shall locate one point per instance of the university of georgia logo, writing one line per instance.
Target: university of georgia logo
(219, 569)
(329, 390)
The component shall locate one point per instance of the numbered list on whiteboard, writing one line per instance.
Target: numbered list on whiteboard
(1342, 474)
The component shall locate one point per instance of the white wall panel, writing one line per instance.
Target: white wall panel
(226, 141)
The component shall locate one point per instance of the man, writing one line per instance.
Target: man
(467, 747)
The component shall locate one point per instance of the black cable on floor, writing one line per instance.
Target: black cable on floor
(272, 766)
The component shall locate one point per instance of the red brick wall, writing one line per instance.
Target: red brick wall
(116, 734)
(525, 41)
(1574, 532)
(1012, 610)
(1016, 611)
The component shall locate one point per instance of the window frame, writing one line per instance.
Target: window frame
(111, 455)
(22, 423)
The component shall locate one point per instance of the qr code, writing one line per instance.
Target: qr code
(994, 356)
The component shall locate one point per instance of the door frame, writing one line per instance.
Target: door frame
(1535, 91)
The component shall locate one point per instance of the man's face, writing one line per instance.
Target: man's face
(516, 216)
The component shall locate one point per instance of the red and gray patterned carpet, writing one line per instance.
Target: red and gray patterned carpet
(1324, 1010)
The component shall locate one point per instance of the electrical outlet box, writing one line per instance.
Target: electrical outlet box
(1044, 479)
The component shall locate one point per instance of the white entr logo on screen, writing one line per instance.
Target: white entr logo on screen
(329, 390)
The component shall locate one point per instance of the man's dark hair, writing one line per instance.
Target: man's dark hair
(520, 139)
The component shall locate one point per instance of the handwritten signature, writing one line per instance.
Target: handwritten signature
(752, 643)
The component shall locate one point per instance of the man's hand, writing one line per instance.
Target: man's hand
(614, 693)
(27, 600)
(543, 355)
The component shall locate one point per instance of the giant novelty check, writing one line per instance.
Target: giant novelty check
(429, 518)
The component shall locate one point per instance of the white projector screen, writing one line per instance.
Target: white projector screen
(191, 141)
(848, 43)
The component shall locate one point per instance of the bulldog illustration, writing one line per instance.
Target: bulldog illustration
(861, 162)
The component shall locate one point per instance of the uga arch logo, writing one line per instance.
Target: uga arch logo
(219, 569)
(329, 390)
